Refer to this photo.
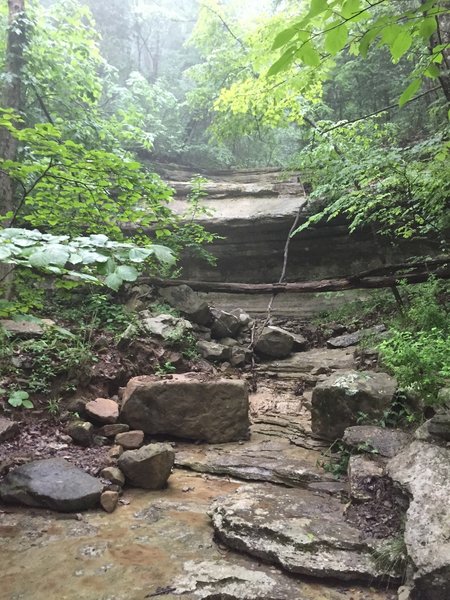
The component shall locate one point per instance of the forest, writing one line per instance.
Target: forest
(352, 95)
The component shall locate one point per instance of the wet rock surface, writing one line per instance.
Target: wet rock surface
(149, 467)
(51, 483)
(301, 531)
(188, 406)
(156, 544)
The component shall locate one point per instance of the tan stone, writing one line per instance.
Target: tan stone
(130, 440)
(113, 429)
(114, 475)
(103, 410)
(109, 500)
(115, 451)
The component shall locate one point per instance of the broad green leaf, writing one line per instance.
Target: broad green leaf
(284, 37)
(336, 39)
(427, 27)
(410, 91)
(309, 55)
(163, 254)
(113, 281)
(350, 8)
(138, 255)
(282, 63)
(4, 253)
(366, 40)
(127, 273)
(433, 71)
(18, 398)
(400, 45)
(317, 7)
(390, 33)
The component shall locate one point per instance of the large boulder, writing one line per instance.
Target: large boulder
(341, 398)
(188, 302)
(149, 467)
(225, 324)
(51, 483)
(301, 531)
(385, 442)
(274, 342)
(423, 470)
(190, 406)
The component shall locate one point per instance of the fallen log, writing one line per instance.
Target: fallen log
(338, 284)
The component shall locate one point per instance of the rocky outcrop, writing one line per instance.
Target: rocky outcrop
(301, 531)
(189, 406)
(385, 442)
(166, 327)
(51, 483)
(423, 470)
(149, 467)
(338, 400)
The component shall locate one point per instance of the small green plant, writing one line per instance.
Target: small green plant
(20, 399)
(337, 456)
(165, 369)
(53, 406)
(392, 556)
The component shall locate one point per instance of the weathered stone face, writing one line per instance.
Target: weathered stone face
(149, 467)
(301, 531)
(341, 398)
(188, 302)
(188, 406)
(274, 342)
(225, 324)
(52, 483)
(424, 471)
(386, 442)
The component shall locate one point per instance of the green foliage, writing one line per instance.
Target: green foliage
(417, 350)
(336, 457)
(95, 259)
(165, 369)
(19, 399)
(401, 192)
(392, 556)
(328, 27)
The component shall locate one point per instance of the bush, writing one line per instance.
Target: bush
(417, 351)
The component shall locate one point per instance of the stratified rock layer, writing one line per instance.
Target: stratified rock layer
(188, 406)
(301, 531)
(52, 483)
(424, 470)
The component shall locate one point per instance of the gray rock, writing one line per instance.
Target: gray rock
(130, 440)
(351, 339)
(25, 330)
(113, 429)
(240, 356)
(362, 472)
(214, 351)
(424, 472)
(244, 318)
(224, 325)
(210, 579)
(114, 475)
(81, 432)
(8, 429)
(109, 500)
(229, 342)
(443, 398)
(301, 531)
(188, 302)
(300, 343)
(274, 342)
(386, 442)
(166, 327)
(189, 406)
(51, 483)
(340, 398)
(149, 467)
(439, 426)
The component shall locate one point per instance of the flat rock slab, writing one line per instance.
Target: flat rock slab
(301, 531)
(155, 545)
(189, 406)
(310, 365)
(52, 483)
(387, 442)
(424, 471)
(275, 461)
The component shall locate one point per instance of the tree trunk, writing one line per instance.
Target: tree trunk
(12, 95)
(383, 277)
